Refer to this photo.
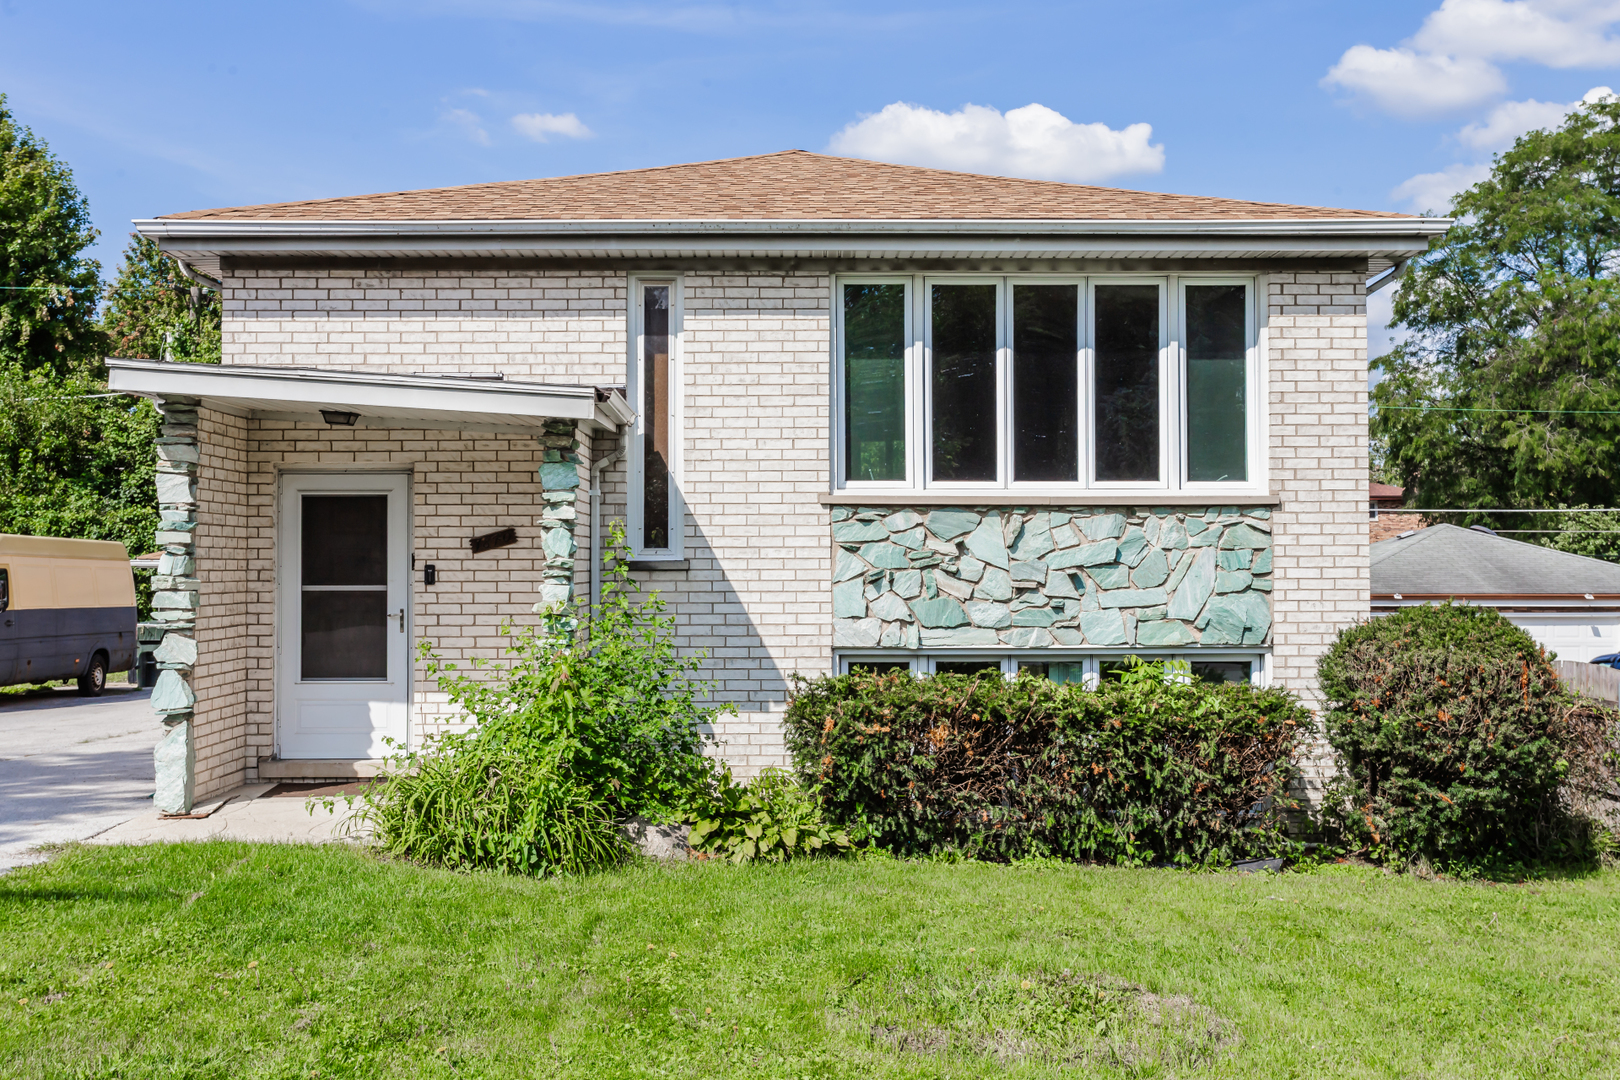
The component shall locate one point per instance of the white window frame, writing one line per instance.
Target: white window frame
(1088, 350)
(1254, 429)
(635, 510)
(1003, 377)
(1173, 469)
(1082, 388)
(840, 392)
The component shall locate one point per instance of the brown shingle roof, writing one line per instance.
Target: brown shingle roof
(792, 184)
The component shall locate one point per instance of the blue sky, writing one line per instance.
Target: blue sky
(160, 107)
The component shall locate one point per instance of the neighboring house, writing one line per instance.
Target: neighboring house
(1568, 603)
(1384, 512)
(851, 413)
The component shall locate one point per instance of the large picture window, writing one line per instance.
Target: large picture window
(1116, 384)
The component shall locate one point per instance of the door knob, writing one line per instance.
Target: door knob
(401, 617)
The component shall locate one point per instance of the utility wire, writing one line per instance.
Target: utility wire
(1462, 409)
(1498, 510)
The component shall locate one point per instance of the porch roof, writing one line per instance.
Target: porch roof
(381, 400)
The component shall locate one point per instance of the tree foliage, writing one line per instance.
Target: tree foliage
(1516, 307)
(154, 313)
(48, 299)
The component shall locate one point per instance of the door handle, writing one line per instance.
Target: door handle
(401, 617)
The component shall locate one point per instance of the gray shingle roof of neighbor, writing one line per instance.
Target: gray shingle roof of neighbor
(1445, 560)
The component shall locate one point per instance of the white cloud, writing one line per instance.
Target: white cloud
(1033, 141)
(1432, 192)
(1450, 63)
(1411, 84)
(468, 123)
(1511, 119)
(542, 126)
(1557, 33)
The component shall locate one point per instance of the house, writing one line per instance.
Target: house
(1384, 502)
(1568, 603)
(850, 413)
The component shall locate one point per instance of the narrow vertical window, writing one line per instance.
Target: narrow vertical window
(1217, 383)
(655, 414)
(1046, 377)
(1126, 337)
(875, 382)
(963, 349)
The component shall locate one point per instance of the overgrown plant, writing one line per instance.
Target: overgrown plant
(592, 718)
(1458, 745)
(771, 818)
(1151, 768)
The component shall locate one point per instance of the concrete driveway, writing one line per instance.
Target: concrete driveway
(71, 767)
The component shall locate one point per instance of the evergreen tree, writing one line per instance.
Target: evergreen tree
(1507, 392)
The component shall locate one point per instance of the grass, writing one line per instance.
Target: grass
(231, 960)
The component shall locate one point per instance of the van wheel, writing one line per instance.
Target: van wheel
(94, 681)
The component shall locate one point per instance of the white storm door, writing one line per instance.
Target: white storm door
(343, 658)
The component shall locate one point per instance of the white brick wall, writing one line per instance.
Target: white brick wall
(1316, 347)
(755, 380)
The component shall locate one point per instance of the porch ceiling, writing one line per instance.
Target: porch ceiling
(381, 400)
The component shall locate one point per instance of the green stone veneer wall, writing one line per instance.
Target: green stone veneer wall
(1045, 578)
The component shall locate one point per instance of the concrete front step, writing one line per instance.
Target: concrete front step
(318, 768)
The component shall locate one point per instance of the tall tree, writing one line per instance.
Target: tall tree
(154, 313)
(47, 287)
(1507, 392)
(74, 460)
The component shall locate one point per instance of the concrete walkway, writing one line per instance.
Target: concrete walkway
(80, 769)
(249, 813)
(71, 766)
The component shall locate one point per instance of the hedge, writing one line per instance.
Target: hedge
(1149, 769)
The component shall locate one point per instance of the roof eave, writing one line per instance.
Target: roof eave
(388, 399)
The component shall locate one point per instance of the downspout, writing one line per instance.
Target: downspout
(201, 279)
(1397, 271)
(596, 516)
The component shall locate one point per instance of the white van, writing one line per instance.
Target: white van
(67, 611)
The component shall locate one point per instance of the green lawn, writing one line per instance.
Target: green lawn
(230, 960)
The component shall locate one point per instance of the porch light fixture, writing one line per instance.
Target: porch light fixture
(338, 418)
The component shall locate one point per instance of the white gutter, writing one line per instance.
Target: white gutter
(596, 519)
(222, 228)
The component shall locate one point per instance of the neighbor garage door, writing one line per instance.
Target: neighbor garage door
(1573, 637)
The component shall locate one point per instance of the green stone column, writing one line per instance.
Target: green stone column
(174, 604)
(559, 486)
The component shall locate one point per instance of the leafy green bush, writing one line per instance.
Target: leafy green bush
(769, 818)
(468, 803)
(1457, 743)
(1150, 768)
(575, 731)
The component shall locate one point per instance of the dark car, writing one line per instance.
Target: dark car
(1607, 660)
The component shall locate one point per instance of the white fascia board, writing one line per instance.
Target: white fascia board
(396, 396)
(999, 238)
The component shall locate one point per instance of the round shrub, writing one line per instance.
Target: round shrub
(1456, 741)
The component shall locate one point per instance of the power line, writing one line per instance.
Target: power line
(1462, 409)
(1498, 510)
